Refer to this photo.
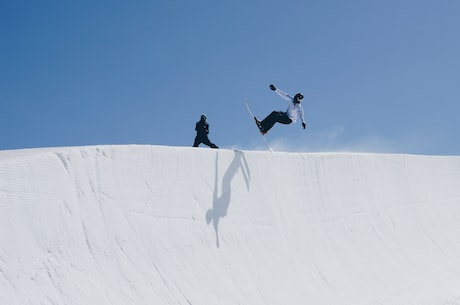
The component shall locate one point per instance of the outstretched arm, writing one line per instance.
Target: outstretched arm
(281, 93)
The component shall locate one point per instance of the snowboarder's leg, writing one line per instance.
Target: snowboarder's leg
(275, 117)
(206, 141)
(196, 142)
(284, 119)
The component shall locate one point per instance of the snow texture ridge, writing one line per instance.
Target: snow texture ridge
(142, 225)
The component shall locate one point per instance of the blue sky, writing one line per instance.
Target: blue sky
(378, 76)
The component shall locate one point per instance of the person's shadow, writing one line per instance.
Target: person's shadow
(221, 203)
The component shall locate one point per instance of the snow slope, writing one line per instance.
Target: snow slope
(140, 225)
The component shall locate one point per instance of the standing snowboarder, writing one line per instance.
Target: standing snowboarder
(202, 130)
(284, 117)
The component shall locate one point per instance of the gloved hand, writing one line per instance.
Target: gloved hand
(304, 125)
(272, 87)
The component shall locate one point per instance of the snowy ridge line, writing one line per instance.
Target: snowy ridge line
(140, 224)
(19, 153)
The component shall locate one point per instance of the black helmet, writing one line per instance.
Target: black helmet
(203, 117)
(298, 97)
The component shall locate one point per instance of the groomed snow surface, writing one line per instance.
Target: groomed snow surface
(138, 225)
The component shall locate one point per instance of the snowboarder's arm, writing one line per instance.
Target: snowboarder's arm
(281, 93)
(301, 113)
(284, 95)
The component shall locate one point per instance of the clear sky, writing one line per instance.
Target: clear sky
(377, 75)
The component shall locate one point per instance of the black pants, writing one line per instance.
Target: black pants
(275, 117)
(204, 140)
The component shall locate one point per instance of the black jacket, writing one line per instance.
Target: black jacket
(202, 128)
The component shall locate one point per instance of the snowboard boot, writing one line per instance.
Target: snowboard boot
(261, 129)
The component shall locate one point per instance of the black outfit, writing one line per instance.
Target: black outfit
(274, 117)
(202, 130)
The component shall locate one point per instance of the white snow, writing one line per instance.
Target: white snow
(138, 225)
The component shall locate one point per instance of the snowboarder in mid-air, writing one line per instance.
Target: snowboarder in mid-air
(284, 117)
(202, 130)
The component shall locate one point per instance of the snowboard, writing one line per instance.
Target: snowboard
(258, 125)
